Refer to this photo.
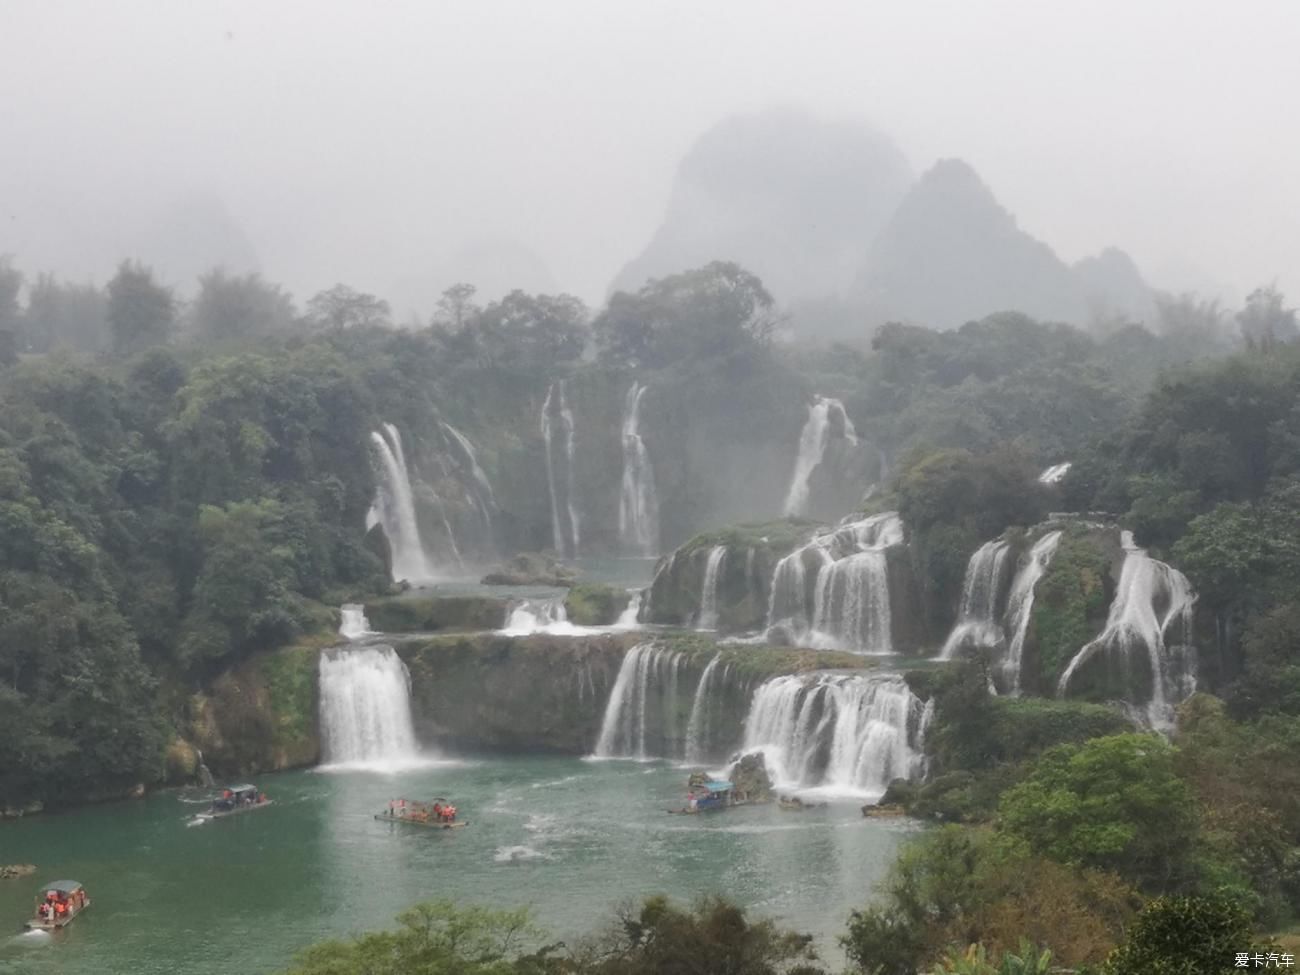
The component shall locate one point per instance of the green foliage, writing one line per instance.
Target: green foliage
(1183, 936)
(960, 886)
(713, 936)
(230, 308)
(435, 938)
(534, 331)
(595, 604)
(1029, 959)
(1113, 803)
(715, 310)
(1070, 605)
(140, 312)
(290, 678)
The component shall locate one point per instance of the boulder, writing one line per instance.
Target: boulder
(750, 778)
(531, 569)
(12, 871)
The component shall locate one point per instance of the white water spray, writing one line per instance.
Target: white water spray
(1054, 474)
(625, 730)
(697, 728)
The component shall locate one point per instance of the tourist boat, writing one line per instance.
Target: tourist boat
(421, 814)
(710, 797)
(57, 904)
(234, 800)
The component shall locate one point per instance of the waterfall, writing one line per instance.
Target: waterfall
(627, 721)
(365, 709)
(697, 728)
(812, 448)
(629, 619)
(847, 734)
(708, 616)
(1151, 612)
(1020, 605)
(354, 625)
(850, 604)
(555, 406)
(1054, 474)
(481, 488)
(203, 772)
(977, 622)
(394, 509)
(638, 505)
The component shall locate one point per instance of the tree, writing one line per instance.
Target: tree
(456, 306)
(11, 283)
(435, 938)
(539, 331)
(141, 313)
(715, 310)
(341, 308)
(1265, 321)
(232, 307)
(1183, 936)
(1113, 803)
(713, 936)
(71, 315)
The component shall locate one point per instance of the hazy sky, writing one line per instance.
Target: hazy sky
(370, 142)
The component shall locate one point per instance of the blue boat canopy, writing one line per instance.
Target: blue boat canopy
(719, 786)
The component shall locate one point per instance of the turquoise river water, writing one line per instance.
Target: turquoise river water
(567, 838)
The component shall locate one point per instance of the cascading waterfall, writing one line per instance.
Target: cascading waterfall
(977, 623)
(624, 732)
(365, 709)
(638, 504)
(697, 727)
(846, 734)
(394, 509)
(850, 603)
(1020, 606)
(354, 624)
(556, 407)
(708, 615)
(1151, 612)
(812, 448)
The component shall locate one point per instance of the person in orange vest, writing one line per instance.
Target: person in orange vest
(450, 813)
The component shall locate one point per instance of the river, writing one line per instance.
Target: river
(567, 838)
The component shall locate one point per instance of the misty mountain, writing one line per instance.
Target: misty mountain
(190, 236)
(791, 197)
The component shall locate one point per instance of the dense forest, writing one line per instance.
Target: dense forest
(184, 485)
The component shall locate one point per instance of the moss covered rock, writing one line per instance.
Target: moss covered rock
(531, 569)
(423, 613)
(595, 604)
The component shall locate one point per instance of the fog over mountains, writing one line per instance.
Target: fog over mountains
(830, 216)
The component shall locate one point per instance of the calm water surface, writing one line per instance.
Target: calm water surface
(565, 837)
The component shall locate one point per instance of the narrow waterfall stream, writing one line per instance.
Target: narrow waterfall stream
(812, 448)
(365, 710)
(977, 623)
(1020, 607)
(708, 615)
(638, 504)
(394, 509)
(565, 530)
